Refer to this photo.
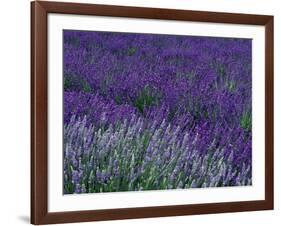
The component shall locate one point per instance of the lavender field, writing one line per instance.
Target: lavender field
(151, 112)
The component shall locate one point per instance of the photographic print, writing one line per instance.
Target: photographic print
(155, 111)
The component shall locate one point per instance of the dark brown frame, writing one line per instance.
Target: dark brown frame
(39, 109)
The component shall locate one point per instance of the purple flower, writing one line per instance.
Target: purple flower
(149, 112)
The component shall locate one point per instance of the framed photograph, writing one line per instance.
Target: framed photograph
(148, 112)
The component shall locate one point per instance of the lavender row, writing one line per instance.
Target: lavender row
(208, 78)
(134, 156)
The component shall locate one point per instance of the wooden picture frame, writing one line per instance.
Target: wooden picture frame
(39, 112)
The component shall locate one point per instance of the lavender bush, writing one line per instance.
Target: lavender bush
(150, 112)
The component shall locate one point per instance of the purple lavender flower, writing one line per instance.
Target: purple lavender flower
(149, 112)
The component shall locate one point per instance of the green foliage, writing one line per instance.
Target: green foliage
(132, 51)
(246, 121)
(231, 86)
(118, 100)
(72, 82)
(67, 83)
(146, 98)
(221, 70)
(86, 86)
